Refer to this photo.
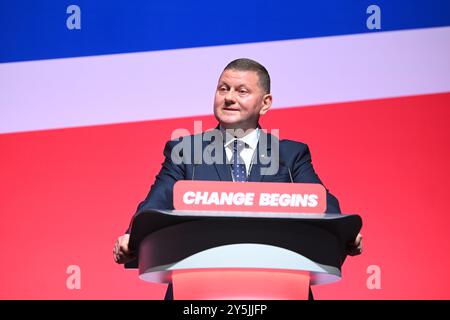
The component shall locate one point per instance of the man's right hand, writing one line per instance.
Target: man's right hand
(121, 252)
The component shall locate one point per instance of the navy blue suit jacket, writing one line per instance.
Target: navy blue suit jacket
(293, 155)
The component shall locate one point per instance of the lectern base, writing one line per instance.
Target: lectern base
(240, 284)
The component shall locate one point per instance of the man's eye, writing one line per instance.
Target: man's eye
(223, 89)
(242, 91)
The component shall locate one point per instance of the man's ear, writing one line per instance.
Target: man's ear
(266, 104)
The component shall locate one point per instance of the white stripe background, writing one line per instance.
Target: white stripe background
(61, 93)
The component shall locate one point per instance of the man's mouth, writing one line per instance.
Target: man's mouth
(230, 109)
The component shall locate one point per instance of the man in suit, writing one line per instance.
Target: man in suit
(238, 150)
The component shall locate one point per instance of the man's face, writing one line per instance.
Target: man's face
(239, 100)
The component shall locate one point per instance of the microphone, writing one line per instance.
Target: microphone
(196, 162)
(282, 163)
(193, 171)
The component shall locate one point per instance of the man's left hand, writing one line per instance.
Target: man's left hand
(355, 247)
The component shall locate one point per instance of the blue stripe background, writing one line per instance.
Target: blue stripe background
(32, 30)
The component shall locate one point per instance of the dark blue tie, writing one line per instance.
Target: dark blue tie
(238, 166)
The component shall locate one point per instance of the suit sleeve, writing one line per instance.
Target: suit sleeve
(160, 195)
(303, 172)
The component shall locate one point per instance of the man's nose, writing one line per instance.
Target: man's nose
(230, 97)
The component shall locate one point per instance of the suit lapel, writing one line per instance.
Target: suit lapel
(261, 157)
(222, 168)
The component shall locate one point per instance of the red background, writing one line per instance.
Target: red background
(67, 194)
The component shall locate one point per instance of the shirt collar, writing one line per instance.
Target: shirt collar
(250, 139)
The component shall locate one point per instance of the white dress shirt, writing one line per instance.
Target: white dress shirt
(251, 142)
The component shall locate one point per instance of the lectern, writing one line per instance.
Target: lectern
(240, 255)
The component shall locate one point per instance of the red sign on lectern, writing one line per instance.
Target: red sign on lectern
(249, 196)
